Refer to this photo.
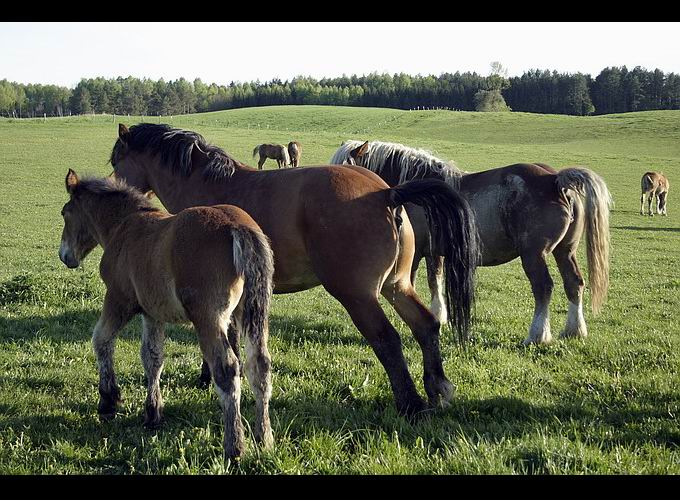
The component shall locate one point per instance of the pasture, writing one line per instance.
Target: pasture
(607, 404)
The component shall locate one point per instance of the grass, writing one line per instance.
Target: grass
(608, 404)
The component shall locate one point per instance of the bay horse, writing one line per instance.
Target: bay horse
(522, 210)
(205, 265)
(295, 153)
(654, 185)
(342, 228)
(274, 151)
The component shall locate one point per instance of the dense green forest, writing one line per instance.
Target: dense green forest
(614, 90)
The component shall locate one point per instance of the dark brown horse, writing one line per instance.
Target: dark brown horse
(342, 228)
(205, 265)
(523, 210)
(295, 153)
(654, 185)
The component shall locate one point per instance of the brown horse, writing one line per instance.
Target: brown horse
(654, 185)
(205, 265)
(342, 228)
(295, 153)
(274, 151)
(523, 210)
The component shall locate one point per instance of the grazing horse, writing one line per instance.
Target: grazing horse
(205, 265)
(522, 210)
(274, 151)
(295, 153)
(342, 228)
(654, 185)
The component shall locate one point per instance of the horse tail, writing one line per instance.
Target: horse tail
(257, 148)
(286, 156)
(254, 260)
(646, 182)
(454, 236)
(598, 201)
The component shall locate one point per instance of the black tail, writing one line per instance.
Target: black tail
(253, 258)
(454, 236)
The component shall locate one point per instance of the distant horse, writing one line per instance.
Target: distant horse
(295, 153)
(205, 265)
(654, 185)
(274, 151)
(523, 210)
(335, 226)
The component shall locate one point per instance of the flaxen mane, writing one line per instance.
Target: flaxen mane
(175, 146)
(412, 163)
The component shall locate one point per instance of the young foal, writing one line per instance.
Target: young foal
(203, 265)
(654, 185)
(274, 151)
(295, 153)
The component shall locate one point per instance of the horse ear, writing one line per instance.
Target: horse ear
(123, 133)
(71, 181)
(360, 151)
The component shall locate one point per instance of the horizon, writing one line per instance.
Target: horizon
(59, 56)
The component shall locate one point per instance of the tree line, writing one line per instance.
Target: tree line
(614, 90)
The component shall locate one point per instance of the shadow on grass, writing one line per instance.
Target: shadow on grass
(76, 325)
(297, 418)
(637, 228)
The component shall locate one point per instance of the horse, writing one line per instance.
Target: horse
(338, 227)
(654, 185)
(205, 265)
(295, 153)
(522, 210)
(274, 151)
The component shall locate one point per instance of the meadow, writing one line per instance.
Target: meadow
(607, 404)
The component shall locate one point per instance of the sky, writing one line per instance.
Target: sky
(63, 53)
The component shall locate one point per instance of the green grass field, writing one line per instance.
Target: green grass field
(606, 404)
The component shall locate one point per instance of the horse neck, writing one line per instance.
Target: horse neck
(177, 192)
(104, 217)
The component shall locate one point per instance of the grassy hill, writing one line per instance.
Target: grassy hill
(608, 404)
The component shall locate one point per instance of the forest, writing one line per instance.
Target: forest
(613, 90)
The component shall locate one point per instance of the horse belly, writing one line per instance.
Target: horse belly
(497, 246)
(159, 300)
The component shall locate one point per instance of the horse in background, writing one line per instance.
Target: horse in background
(295, 153)
(276, 152)
(654, 185)
(340, 227)
(205, 265)
(522, 210)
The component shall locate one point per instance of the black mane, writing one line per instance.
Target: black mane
(111, 186)
(175, 147)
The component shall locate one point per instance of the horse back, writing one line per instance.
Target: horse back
(168, 264)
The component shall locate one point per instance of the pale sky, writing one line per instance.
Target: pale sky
(63, 53)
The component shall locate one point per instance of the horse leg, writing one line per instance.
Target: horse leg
(435, 281)
(224, 367)
(234, 336)
(258, 369)
(649, 205)
(113, 318)
(536, 270)
(565, 257)
(662, 200)
(260, 162)
(642, 204)
(370, 320)
(425, 329)
(153, 338)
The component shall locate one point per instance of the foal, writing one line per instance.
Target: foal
(202, 265)
(654, 185)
